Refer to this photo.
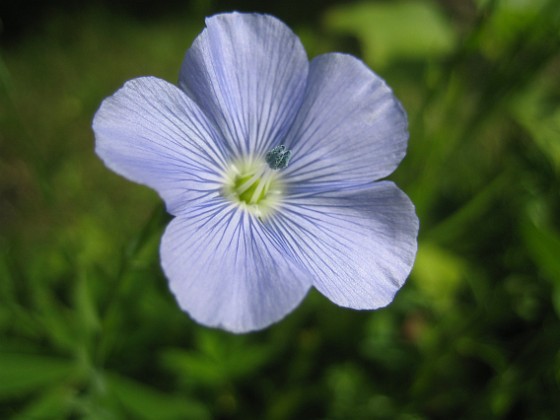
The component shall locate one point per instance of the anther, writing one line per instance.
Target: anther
(279, 157)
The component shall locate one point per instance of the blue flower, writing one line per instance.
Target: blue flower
(269, 164)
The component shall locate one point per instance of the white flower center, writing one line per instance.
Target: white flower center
(255, 184)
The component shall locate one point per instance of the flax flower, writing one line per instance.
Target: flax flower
(270, 165)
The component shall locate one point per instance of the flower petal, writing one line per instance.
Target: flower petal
(227, 269)
(360, 246)
(248, 73)
(151, 132)
(350, 129)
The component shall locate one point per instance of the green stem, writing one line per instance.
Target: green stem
(110, 315)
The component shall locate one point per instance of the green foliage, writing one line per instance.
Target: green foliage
(398, 30)
(536, 111)
(25, 373)
(89, 329)
(142, 402)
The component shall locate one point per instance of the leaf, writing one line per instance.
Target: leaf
(25, 373)
(392, 31)
(194, 367)
(52, 404)
(219, 360)
(543, 246)
(145, 402)
(536, 112)
(236, 358)
(438, 273)
(506, 19)
(84, 303)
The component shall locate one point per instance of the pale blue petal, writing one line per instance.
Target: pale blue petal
(350, 130)
(359, 246)
(227, 269)
(152, 133)
(247, 72)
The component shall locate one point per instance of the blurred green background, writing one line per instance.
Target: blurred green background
(88, 327)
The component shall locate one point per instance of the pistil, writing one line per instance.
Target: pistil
(257, 184)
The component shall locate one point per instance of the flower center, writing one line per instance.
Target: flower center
(256, 185)
(250, 188)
